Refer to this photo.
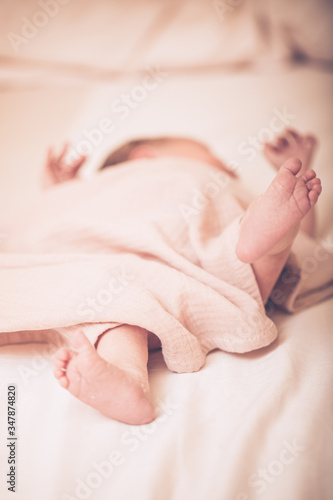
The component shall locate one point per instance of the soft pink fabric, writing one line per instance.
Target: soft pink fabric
(149, 243)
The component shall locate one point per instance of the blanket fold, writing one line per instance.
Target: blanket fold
(149, 243)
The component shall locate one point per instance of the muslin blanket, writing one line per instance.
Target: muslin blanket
(149, 243)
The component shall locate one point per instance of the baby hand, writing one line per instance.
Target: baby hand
(57, 171)
(291, 144)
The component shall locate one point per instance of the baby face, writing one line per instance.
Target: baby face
(188, 149)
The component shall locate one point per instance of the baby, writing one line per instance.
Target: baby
(113, 377)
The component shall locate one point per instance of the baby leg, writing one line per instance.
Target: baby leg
(127, 348)
(271, 223)
(112, 379)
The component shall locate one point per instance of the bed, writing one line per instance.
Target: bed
(245, 427)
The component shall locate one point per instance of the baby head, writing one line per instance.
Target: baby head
(162, 147)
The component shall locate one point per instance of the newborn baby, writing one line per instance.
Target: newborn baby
(113, 377)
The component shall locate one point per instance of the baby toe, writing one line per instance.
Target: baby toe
(62, 356)
(317, 187)
(292, 165)
(309, 175)
(63, 381)
(61, 375)
(313, 196)
(58, 373)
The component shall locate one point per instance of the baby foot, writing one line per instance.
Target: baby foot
(291, 144)
(112, 391)
(272, 221)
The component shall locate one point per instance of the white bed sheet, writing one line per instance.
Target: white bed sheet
(246, 427)
(84, 38)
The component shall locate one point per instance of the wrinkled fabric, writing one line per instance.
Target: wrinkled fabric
(149, 243)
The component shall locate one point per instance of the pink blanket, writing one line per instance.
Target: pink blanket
(149, 243)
